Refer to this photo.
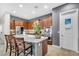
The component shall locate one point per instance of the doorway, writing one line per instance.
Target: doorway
(69, 30)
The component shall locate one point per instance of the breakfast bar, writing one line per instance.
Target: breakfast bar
(39, 46)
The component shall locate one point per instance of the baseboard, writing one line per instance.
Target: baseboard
(56, 46)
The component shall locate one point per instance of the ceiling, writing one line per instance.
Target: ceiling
(27, 10)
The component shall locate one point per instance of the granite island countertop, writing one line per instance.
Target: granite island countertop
(31, 38)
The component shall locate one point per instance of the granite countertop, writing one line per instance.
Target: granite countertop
(31, 38)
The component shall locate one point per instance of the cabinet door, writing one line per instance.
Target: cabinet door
(42, 24)
(12, 24)
(49, 21)
(25, 24)
(44, 47)
(18, 23)
(30, 24)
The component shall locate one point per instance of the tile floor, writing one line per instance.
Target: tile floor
(52, 51)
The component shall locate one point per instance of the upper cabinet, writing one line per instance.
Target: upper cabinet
(25, 24)
(45, 22)
(12, 24)
(30, 25)
(19, 23)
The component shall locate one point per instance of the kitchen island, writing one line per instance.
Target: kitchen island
(39, 46)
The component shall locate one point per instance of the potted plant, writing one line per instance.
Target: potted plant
(37, 29)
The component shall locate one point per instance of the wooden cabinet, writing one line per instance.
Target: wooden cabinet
(46, 22)
(12, 24)
(42, 24)
(30, 25)
(18, 23)
(49, 21)
(44, 47)
(25, 24)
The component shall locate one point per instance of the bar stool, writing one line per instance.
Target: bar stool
(23, 47)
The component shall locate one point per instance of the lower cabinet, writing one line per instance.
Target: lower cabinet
(44, 47)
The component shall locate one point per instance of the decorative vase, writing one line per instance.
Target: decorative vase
(37, 36)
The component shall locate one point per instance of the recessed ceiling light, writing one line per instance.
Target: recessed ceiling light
(33, 12)
(14, 12)
(36, 7)
(20, 5)
(45, 6)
